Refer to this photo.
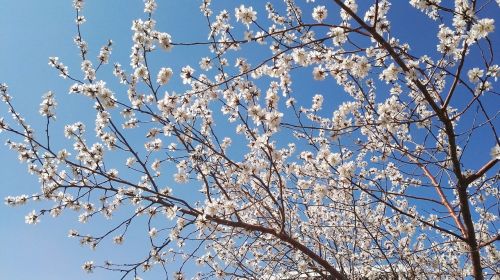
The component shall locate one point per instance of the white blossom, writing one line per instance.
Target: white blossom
(32, 218)
(88, 266)
(495, 152)
(164, 76)
(475, 74)
(320, 13)
(245, 14)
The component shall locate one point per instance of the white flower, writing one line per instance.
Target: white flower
(3, 124)
(31, 218)
(72, 233)
(390, 74)
(481, 29)
(48, 105)
(475, 74)
(164, 76)
(317, 102)
(80, 20)
(83, 218)
(78, 4)
(10, 201)
(153, 232)
(273, 120)
(302, 266)
(146, 266)
(105, 52)
(211, 209)
(55, 212)
(493, 71)
(361, 67)
(141, 72)
(118, 239)
(495, 152)
(149, 6)
(448, 40)
(338, 35)
(130, 161)
(319, 73)
(346, 170)
(206, 63)
(88, 266)
(171, 212)
(321, 191)
(245, 15)
(165, 41)
(353, 6)
(319, 13)
(179, 276)
(226, 142)
(87, 69)
(154, 145)
(187, 74)
(300, 57)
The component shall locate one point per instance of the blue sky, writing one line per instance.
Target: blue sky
(30, 32)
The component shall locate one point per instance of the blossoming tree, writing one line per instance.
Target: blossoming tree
(251, 180)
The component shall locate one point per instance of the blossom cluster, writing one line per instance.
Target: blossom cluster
(364, 177)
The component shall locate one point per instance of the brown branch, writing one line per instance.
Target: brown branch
(445, 201)
(285, 238)
(486, 243)
(481, 171)
(279, 234)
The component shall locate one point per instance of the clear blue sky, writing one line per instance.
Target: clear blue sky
(30, 32)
